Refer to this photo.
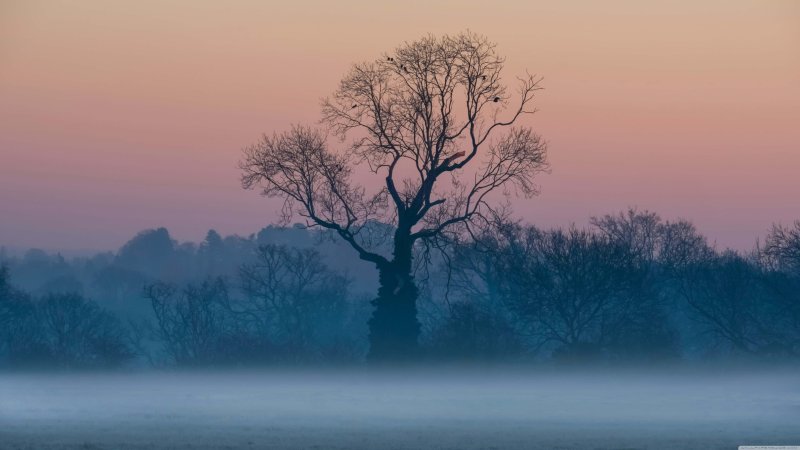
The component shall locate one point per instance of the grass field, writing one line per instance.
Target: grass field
(406, 410)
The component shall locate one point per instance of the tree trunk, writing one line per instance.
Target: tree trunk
(393, 327)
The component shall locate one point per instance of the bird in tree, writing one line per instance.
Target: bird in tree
(436, 151)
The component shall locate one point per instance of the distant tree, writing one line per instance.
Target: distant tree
(297, 235)
(783, 247)
(192, 322)
(639, 232)
(660, 251)
(426, 120)
(782, 291)
(20, 339)
(476, 268)
(212, 254)
(81, 334)
(727, 294)
(780, 258)
(582, 294)
(59, 330)
(6, 291)
(291, 296)
(213, 242)
(39, 273)
(150, 251)
(662, 247)
(471, 319)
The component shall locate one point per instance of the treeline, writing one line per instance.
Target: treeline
(630, 287)
(58, 330)
(265, 298)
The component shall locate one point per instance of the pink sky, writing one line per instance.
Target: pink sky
(119, 116)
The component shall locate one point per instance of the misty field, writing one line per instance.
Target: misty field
(444, 409)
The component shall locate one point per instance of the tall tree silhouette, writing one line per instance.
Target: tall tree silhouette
(435, 124)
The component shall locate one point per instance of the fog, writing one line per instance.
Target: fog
(468, 408)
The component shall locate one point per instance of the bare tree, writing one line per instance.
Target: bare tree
(780, 261)
(574, 289)
(783, 247)
(292, 296)
(79, 333)
(752, 310)
(427, 120)
(192, 322)
(661, 246)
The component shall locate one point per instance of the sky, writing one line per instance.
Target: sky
(119, 116)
